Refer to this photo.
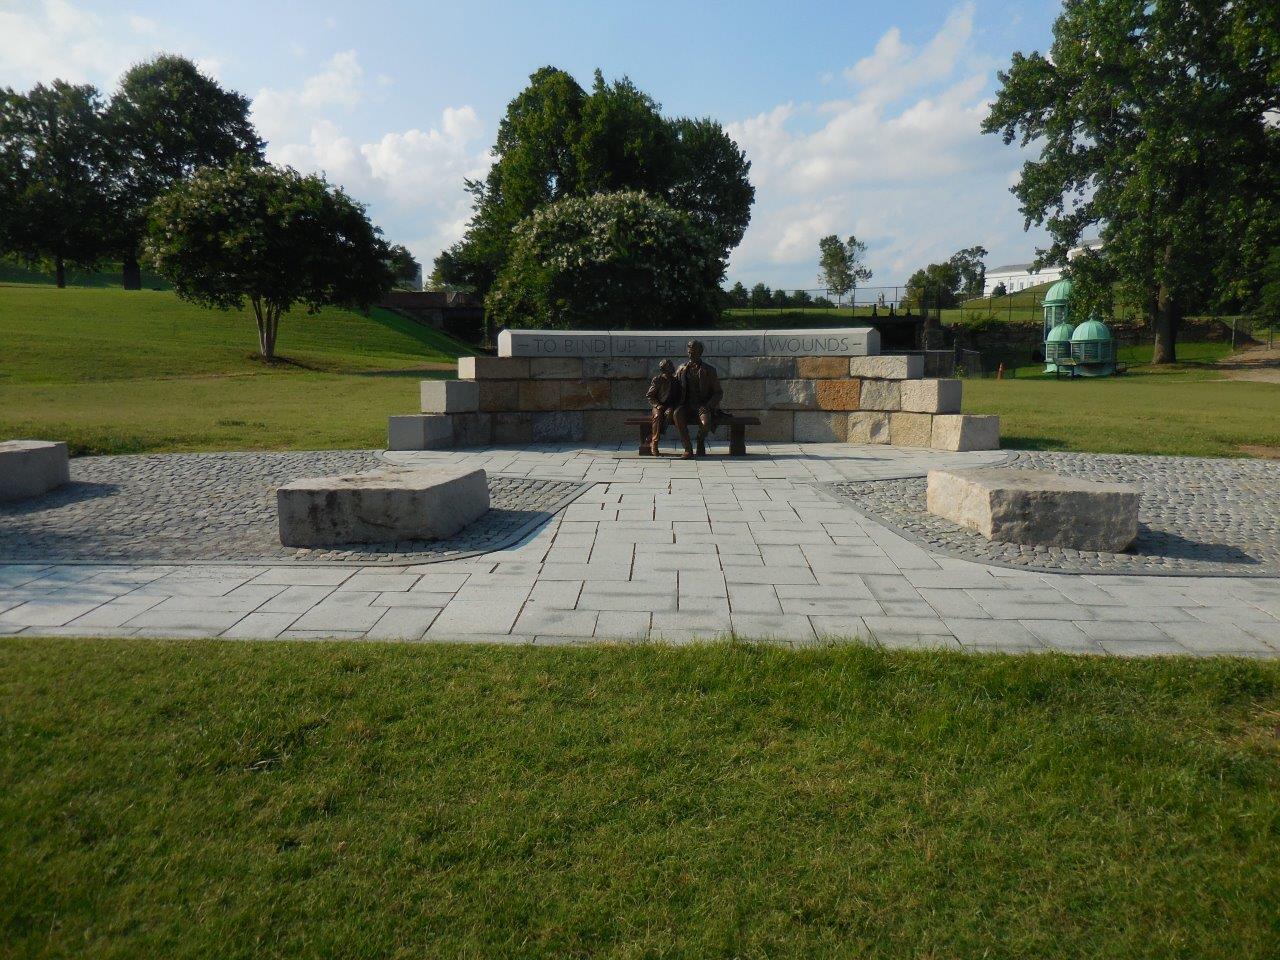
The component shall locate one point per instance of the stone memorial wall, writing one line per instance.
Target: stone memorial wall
(581, 386)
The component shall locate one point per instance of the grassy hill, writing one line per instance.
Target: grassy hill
(114, 371)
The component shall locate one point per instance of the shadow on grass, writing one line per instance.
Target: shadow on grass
(1019, 442)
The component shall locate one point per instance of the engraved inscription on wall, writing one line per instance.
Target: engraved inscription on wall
(845, 342)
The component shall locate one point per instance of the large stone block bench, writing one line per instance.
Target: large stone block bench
(381, 506)
(29, 468)
(1036, 507)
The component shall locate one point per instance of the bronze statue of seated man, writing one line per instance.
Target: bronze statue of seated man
(700, 394)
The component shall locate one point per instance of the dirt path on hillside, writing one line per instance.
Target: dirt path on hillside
(1259, 364)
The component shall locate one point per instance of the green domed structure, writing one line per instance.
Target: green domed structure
(1094, 349)
(1057, 308)
(1057, 346)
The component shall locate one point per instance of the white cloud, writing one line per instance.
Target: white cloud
(914, 178)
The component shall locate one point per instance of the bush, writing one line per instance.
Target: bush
(618, 260)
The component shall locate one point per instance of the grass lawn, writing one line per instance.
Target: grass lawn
(185, 799)
(115, 371)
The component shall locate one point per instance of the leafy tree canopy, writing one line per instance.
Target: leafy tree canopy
(404, 268)
(841, 264)
(623, 259)
(558, 141)
(1151, 121)
(268, 235)
(53, 173)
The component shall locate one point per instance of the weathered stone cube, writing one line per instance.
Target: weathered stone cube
(493, 368)
(881, 395)
(586, 394)
(776, 426)
(887, 367)
(841, 395)
(498, 395)
(540, 395)
(420, 431)
(822, 368)
(742, 394)
(381, 506)
(513, 427)
(931, 396)
(450, 396)
(563, 426)
(868, 427)
(910, 429)
(29, 468)
(813, 426)
(616, 368)
(790, 395)
(555, 368)
(760, 368)
(1037, 507)
(965, 432)
(606, 426)
(472, 429)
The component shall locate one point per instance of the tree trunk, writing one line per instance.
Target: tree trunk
(1168, 318)
(60, 272)
(131, 272)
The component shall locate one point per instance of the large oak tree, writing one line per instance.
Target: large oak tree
(1154, 123)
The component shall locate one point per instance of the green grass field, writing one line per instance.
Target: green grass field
(185, 799)
(116, 371)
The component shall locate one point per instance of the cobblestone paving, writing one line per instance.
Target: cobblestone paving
(221, 507)
(1197, 516)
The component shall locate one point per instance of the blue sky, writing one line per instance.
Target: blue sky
(857, 118)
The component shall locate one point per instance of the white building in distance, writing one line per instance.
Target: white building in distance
(1019, 276)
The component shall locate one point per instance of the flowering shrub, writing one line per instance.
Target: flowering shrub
(608, 260)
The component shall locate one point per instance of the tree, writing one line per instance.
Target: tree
(801, 298)
(165, 121)
(53, 172)
(738, 296)
(761, 295)
(973, 272)
(620, 260)
(841, 264)
(1152, 126)
(933, 287)
(999, 290)
(405, 270)
(557, 141)
(268, 235)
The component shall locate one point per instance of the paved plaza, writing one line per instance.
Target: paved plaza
(769, 547)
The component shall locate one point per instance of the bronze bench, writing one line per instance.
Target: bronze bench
(737, 433)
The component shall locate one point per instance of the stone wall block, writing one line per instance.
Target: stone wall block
(585, 394)
(493, 368)
(555, 368)
(742, 395)
(563, 426)
(430, 431)
(822, 368)
(498, 395)
(881, 395)
(776, 426)
(931, 396)
(910, 429)
(887, 367)
(762, 368)
(540, 395)
(607, 426)
(965, 432)
(821, 427)
(790, 395)
(472, 429)
(450, 396)
(616, 368)
(513, 427)
(838, 394)
(868, 427)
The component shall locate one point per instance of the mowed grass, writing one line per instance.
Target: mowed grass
(185, 799)
(114, 371)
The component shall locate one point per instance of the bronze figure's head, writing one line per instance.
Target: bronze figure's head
(667, 367)
(695, 350)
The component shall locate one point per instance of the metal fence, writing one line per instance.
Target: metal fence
(950, 363)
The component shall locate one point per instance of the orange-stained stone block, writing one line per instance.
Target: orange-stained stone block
(838, 394)
(822, 368)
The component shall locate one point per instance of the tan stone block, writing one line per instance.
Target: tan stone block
(887, 368)
(931, 396)
(472, 429)
(789, 395)
(513, 427)
(742, 394)
(629, 396)
(498, 395)
(449, 396)
(965, 432)
(910, 429)
(562, 426)
(776, 426)
(540, 395)
(616, 368)
(822, 368)
(881, 395)
(761, 368)
(838, 394)
(607, 426)
(555, 368)
(585, 395)
(493, 368)
(868, 427)
(817, 427)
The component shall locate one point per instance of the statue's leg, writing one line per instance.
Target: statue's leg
(681, 420)
(704, 427)
(655, 431)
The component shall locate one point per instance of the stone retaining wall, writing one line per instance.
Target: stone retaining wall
(828, 399)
